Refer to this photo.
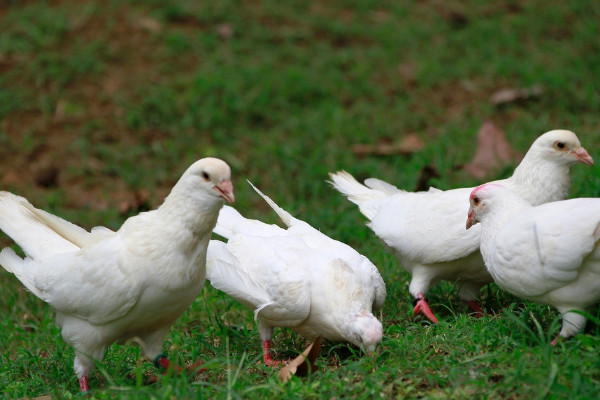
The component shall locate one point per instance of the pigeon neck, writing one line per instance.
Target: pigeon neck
(198, 215)
(539, 180)
(494, 220)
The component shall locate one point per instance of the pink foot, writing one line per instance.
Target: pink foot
(266, 347)
(476, 307)
(83, 384)
(556, 340)
(422, 307)
(271, 363)
(164, 364)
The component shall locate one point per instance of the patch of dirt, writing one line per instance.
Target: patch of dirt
(41, 152)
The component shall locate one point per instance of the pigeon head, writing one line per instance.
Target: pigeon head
(484, 199)
(561, 146)
(366, 331)
(210, 176)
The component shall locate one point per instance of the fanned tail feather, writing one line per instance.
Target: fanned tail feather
(37, 232)
(367, 199)
(228, 222)
(378, 184)
(73, 233)
(285, 216)
(16, 265)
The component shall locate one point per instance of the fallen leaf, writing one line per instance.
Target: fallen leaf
(493, 151)
(59, 112)
(149, 24)
(304, 364)
(407, 145)
(225, 31)
(510, 95)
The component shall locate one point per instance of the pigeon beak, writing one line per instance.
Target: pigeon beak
(225, 190)
(582, 155)
(471, 219)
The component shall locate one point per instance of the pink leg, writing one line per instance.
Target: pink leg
(476, 307)
(83, 384)
(162, 362)
(422, 307)
(266, 347)
(555, 341)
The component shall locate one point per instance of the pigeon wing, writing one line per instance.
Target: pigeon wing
(551, 241)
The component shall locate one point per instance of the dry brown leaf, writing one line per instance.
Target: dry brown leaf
(302, 365)
(225, 31)
(60, 111)
(493, 151)
(149, 24)
(407, 145)
(509, 95)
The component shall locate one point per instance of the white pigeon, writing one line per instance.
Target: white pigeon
(113, 286)
(549, 254)
(425, 230)
(297, 278)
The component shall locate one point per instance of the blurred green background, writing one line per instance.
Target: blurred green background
(103, 104)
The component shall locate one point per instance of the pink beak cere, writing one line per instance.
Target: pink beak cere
(583, 156)
(471, 219)
(225, 189)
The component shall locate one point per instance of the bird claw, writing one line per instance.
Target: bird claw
(273, 363)
(556, 340)
(422, 307)
(476, 307)
(165, 364)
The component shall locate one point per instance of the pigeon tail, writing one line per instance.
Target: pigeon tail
(71, 232)
(378, 184)
(367, 199)
(35, 230)
(285, 216)
(16, 265)
(228, 222)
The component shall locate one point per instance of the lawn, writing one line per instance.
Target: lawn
(103, 104)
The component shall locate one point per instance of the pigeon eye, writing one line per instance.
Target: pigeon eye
(205, 176)
(560, 145)
(475, 200)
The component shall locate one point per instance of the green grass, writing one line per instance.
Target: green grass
(122, 96)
